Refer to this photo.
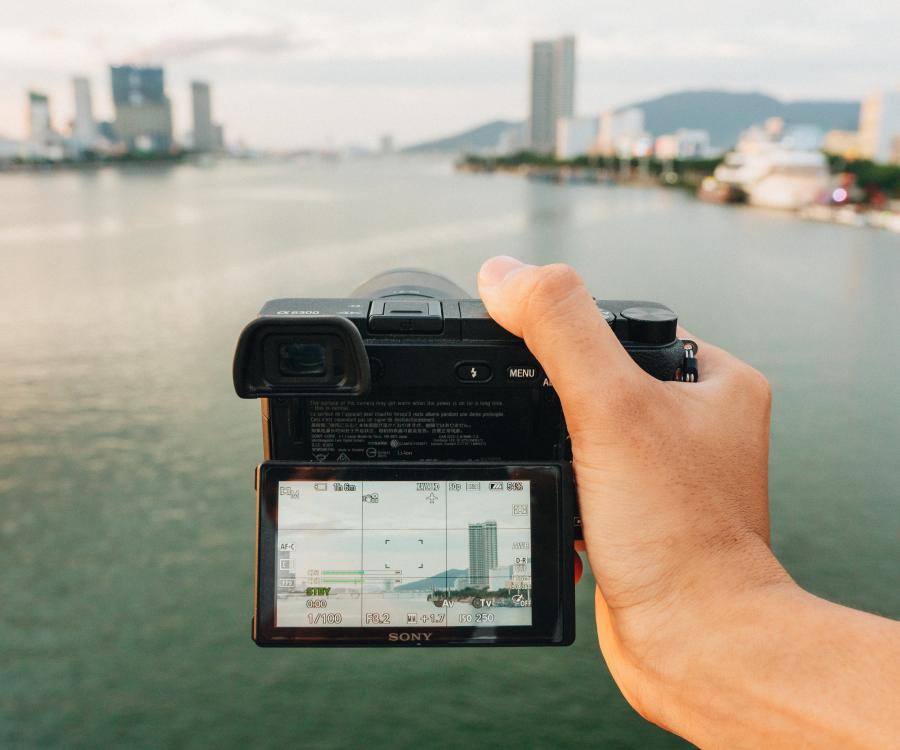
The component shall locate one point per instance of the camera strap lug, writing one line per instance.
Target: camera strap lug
(688, 372)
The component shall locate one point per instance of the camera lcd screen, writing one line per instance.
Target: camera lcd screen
(378, 554)
(414, 554)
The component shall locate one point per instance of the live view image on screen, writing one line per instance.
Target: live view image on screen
(389, 554)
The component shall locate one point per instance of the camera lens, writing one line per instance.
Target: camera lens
(300, 360)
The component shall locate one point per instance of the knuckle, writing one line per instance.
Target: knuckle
(755, 386)
(551, 289)
(759, 384)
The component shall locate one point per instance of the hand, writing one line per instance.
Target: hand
(697, 620)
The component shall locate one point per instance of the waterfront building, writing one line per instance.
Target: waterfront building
(879, 127)
(143, 111)
(622, 134)
(9, 149)
(84, 128)
(552, 90)
(575, 136)
(684, 143)
(844, 143)
(40, 133)
(204, 134)
(482, 552)
(500, 577)
(43, 141)
(386, 144)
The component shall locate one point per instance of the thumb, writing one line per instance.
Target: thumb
(552, 310)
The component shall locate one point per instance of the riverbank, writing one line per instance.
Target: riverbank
(876, 186)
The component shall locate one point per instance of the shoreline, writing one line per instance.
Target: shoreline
(650, 173)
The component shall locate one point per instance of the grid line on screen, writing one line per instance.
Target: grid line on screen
(404, 573)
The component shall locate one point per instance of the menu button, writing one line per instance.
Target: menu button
(521, 372)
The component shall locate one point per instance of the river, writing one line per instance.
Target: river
(126, 534)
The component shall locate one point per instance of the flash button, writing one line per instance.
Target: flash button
(473, 372)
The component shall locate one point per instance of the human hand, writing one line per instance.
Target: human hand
(672, 477)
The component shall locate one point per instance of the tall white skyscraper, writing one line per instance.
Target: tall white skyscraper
(204, 131)
(39, 131)
(84, 128)
(552, 89)
(879, 127)
(482, 552)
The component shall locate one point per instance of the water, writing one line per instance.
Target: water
(125, 458)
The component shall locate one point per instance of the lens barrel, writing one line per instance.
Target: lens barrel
(409, 282)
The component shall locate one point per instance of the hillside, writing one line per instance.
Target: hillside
(485, 136)
(724, 114)
(436, 582)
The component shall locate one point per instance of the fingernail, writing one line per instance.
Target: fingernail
(498, 269)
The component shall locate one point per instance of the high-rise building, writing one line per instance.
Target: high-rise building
(84, 129)
(552, 89)
(204, 129)
(40, 133)
(621, 132)
(143, 111)
(482, 552)
(575, 136)
(879, 127)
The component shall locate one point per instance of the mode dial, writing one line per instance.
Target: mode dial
(650, 325)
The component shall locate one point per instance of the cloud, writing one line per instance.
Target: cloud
(261, 43)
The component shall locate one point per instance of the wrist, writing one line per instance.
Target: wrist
(669, 655)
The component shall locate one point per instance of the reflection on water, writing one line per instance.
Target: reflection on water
(125, 459)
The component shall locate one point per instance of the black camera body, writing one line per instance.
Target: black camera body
(409, 377)
(411, 371)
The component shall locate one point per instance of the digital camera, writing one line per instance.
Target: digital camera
(417, 487)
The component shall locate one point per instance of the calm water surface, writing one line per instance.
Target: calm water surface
(126, 508)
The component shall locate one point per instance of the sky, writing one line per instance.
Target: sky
(288, 74)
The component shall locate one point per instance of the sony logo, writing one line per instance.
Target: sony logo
(409, 636)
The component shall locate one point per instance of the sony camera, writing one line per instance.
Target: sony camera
(417, 486)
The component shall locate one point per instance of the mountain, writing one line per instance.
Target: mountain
(438, 582)
(723, 113)
(485, 136)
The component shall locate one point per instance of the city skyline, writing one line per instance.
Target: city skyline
(288, 77)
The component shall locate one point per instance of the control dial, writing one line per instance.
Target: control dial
(651, 325)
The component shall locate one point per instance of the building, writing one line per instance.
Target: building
(143, 111)
(575, 136)
(552, 90)
(43, 141)
(40, 132)
(84, 127)
(844, 143)
(879, 127)
(386, 144)
(684, 143)
(482, 552)
(622, 134)
(500, 578)
(201, 107)
(9, 149)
